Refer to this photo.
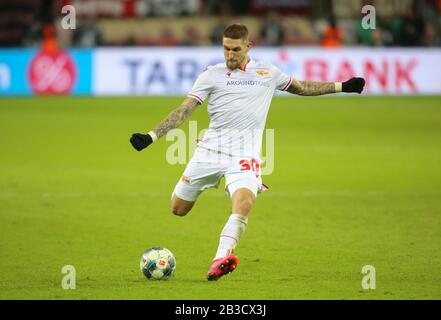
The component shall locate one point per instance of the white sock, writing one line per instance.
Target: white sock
(230, 235)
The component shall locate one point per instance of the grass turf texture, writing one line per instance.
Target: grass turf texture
(357, 181)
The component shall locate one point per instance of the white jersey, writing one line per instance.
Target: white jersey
(238, 104)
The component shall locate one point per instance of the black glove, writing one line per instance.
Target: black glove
(353, 85)
(140, 141)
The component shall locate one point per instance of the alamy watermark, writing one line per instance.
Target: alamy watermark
(69, 281)
(369, 21)
(369, 281)
(69, 21)
(224, 144)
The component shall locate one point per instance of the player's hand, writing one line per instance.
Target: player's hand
(353, 85)
(140, 141)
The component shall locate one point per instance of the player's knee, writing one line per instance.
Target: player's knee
(245, 203)
(180, 207)
(248, 203)
(180, 211)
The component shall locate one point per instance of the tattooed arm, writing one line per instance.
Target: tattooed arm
(312, 88)
(177, 117)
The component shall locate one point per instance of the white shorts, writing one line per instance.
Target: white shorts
(206, 169)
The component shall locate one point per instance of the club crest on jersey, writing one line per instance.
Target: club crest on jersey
(263, 73)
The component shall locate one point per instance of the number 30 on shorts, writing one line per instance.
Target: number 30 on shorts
(252, 164)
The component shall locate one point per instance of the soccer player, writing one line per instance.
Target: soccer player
(239, 94)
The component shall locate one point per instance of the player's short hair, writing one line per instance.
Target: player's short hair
(236, 31)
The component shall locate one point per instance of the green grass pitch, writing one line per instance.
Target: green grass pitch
(356, 181)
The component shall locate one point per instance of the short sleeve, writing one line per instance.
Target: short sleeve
(283, 81)
(202, 87)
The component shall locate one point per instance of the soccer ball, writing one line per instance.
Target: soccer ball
(158, 263)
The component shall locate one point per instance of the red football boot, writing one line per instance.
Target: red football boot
(222, 266)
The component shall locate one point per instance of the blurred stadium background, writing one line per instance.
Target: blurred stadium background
(357, 179)
(406, 23)
(132, 39)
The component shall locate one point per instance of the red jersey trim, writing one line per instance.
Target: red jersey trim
(192, 95)
(245, 67)
(287, 86)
